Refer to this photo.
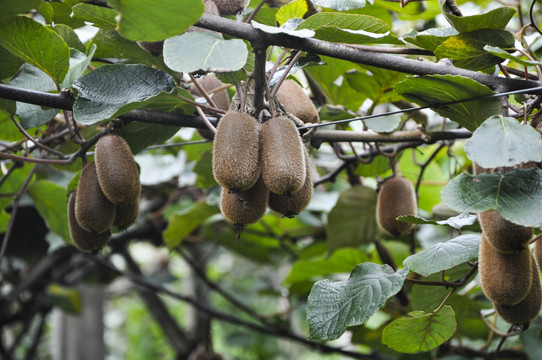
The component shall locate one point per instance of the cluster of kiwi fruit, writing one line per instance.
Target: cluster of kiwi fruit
(261, 165)
(508, 270)
(396, 197)
(107, 195)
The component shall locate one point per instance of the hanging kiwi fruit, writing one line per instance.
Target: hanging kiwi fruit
(93, 210)
(527, 309)
(506, 279)
(126, 215)
(236, 151)
(117, 170)
(230, 7)
(396, 197)
(283, 156)
(504, 236)
(296, 102)
(84, 240)
(243, 208)
(221, 99)
(290, 205)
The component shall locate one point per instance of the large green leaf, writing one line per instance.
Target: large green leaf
(112, 45)
(289, 28)
(204, 170)
(376, 84)
(59, 13)
(506, 55)
(419, 332)
(208, 52)
(50, 201)
(70, 37)
(9, 64)
(155, 20)
(494, 19)
(434, 90)
(33, 79)
(184, 222)
(516, 195)
(333, 306)
(467, 49)
(4, 221)
(341, 261)
(99, 16)
(294, 9)
(430, 39)
(349, 28)
(352, 221)
(503, 141)
(139, 135)
(26, 39)
(13, 7)
(342, 5)
(112, 89)
(444, 256)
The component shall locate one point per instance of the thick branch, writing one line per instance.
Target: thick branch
(428, 137)
(340, 51)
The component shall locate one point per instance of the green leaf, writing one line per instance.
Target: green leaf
(208, 52)
(105, 91)
(184, 222)
(288, 28)
(99, 16)
(383, 124)
(294, 9)
(434, 90)
(204, 169)
(516, 195)
(4, 220)
(444, 256)
(67, 299)
(430, 39)
(333, 306)
(342, 5)
(112, 45)
(144, 20)
(14, 7)
(349, 28)
(237, 77)
(352, 221)
(503, 141)
(59, 13)
(78, 64)
(139, 135)
(25, 38)
(9, 130)
(419, 332)
(378, 166)
(494, 19)
(50, 201)
(33, 79)
(9, 64)
(456, 222)
(341, 261)
(13, 183)
(376, 84)
(467, 50)
(70, 37)
(506, 55)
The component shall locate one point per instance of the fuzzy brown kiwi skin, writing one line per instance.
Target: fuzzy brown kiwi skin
(293, 204)
(126, 215)
(236, 151)
(504, 235)
(538, 253)
(396, 197)
(230, 7)
(529, 307)
(245, 207)
(93, 211)
(505, 278)
(82, 239)
(296, 102)
(117, 170)
(283, 156)
(211, 9)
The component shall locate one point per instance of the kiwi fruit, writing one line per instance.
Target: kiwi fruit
(82, 239)
(283, 156)
(538, 252)
(126, 215)
(504, 236)
(117, 170)
(292, 204)
(93, 211)
(236, 151)
(528, 308)
(296, 102)
(230, 7)
(211, 9)
(396, 197)
(243, 208)
(505, 278)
